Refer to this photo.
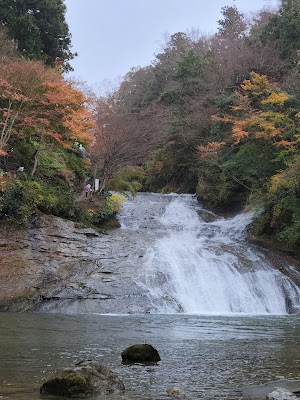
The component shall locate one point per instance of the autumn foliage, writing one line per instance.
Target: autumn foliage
(44, 121)
(259, 113)
(36, 100)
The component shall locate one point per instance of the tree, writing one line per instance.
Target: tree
(8, 49)
(37, 102)
(259, 137)
(61, 113)
(233, 25)
(283, 30)
(39, 29)
(20, 82)
(123, 139)
(259, 113)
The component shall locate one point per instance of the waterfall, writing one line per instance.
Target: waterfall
(197, 262)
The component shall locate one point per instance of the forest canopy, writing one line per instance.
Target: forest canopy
(219, 115)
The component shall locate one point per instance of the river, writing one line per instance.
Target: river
(209, 357)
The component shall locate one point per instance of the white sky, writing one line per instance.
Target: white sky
(112, 36)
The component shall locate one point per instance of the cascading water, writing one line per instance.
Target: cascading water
(199, 263)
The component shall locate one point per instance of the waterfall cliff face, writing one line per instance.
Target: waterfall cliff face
(169, 256)
(199, 263)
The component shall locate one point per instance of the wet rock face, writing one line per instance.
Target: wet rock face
(85, 379)
(140, 353)
(56, 266)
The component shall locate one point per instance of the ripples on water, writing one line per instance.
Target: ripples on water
(208, 357)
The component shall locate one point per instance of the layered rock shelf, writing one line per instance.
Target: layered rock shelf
(56, 266)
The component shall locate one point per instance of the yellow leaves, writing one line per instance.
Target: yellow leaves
(115, 201)
(287, 179)
(118, 198)
(275, 182)
(258, 84)
(276, 117)
(260, 112)
(278, 98)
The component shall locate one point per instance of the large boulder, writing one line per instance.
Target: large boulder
(140, 353)
(84, 379)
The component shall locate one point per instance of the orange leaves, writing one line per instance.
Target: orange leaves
(67, 106)
(80, 124)
(285, 143)
(238, 134)
(62, 93)
(34, 121)
(210, 149)
(36, 97)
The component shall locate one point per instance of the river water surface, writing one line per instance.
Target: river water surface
(209, 357)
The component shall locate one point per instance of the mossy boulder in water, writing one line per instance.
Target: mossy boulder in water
(86, 378)
(140, 353)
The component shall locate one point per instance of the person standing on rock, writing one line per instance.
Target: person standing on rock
(87, 189)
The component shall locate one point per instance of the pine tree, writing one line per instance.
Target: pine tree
(39, 29)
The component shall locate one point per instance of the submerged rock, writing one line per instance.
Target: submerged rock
(84, 379)
(140, 353)
(175, 392)
(281, 394)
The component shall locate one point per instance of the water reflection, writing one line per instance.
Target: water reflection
(207, 357)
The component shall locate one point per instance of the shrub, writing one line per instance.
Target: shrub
(110, 206)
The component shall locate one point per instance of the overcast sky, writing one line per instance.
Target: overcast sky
(112, 36)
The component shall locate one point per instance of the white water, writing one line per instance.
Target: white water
(199, 263)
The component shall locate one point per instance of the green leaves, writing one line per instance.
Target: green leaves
(39, 28)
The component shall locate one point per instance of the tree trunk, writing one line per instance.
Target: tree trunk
(36, 156)
(102, 184)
